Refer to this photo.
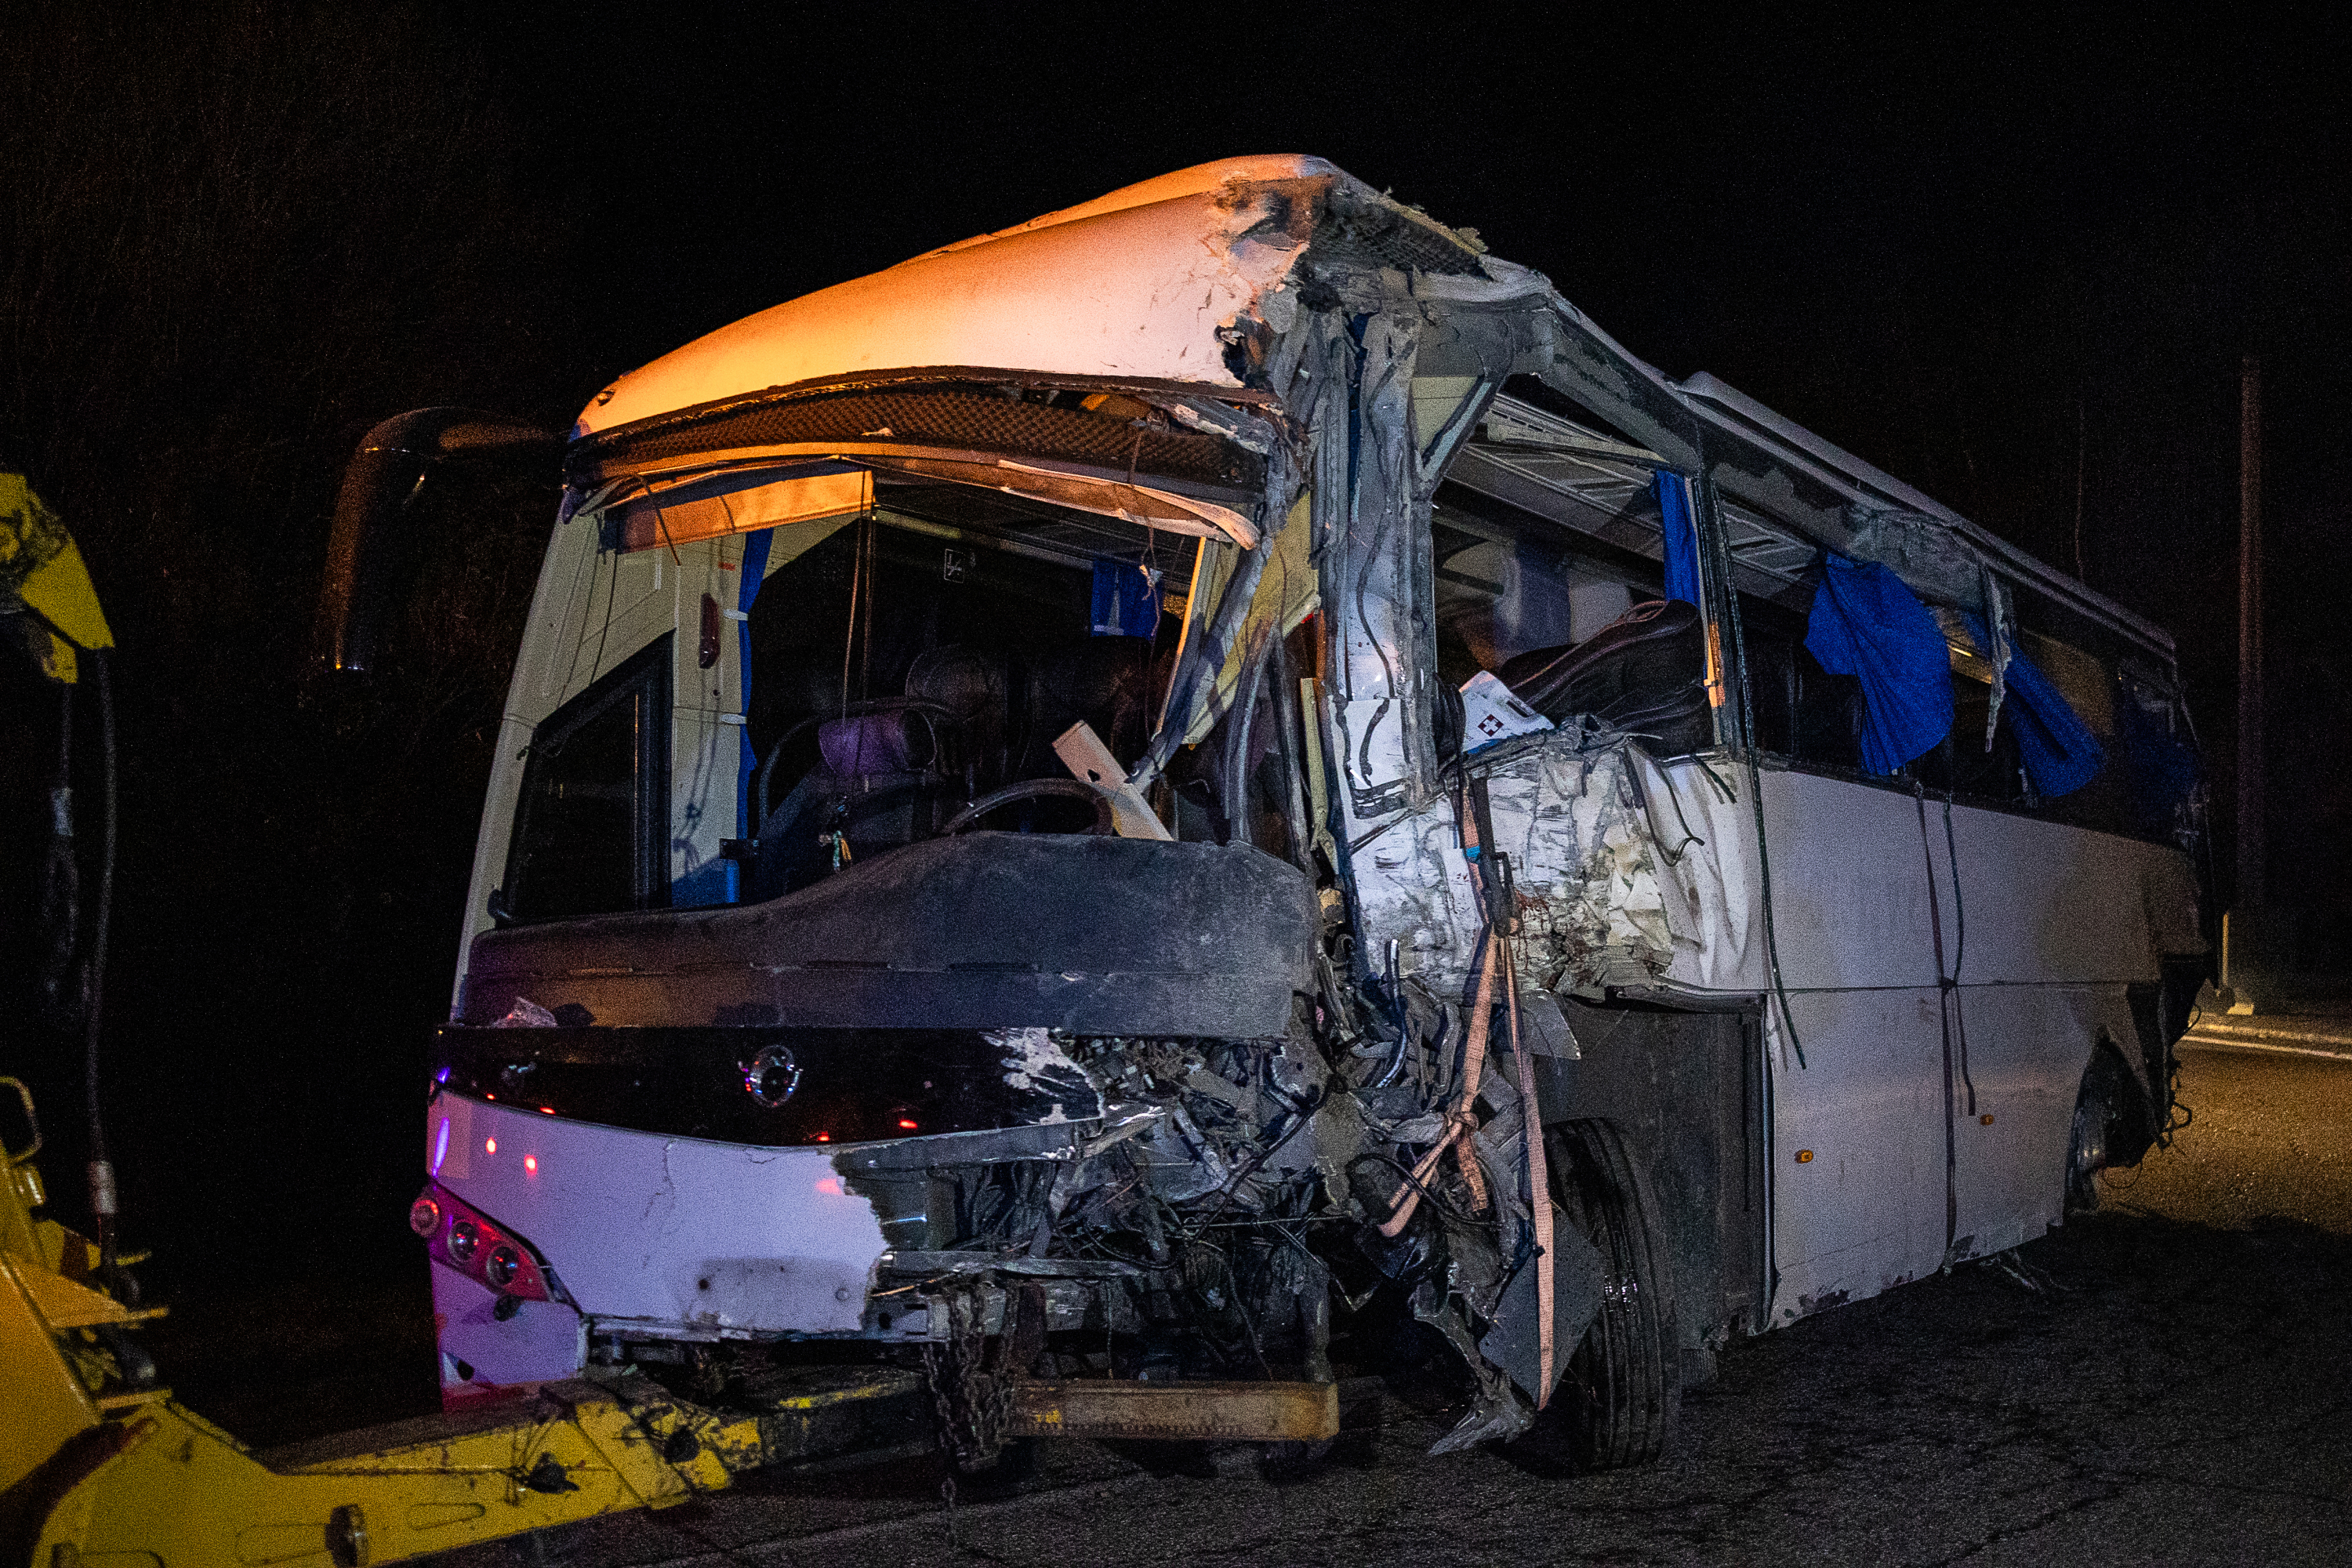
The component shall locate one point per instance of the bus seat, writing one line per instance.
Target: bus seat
(1106, 681)
(971, 686)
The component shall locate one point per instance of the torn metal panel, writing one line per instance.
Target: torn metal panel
(1593, 909)
(1284, 595)
(1511, 1343)
(1378, 580)
(982, 304)
(1178, 273)
(1627, 870)
(1037, 1067)
(491, 1343)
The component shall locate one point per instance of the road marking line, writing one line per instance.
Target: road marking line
(2214, 1043)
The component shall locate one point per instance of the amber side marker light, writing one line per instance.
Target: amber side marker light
(1804, 1157)
(1986, 1120)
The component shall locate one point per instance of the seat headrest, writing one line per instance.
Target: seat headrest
(892, 743)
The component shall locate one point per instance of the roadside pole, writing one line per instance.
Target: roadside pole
(2249, 948)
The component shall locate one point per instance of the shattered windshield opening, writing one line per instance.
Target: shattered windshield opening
(903, 665)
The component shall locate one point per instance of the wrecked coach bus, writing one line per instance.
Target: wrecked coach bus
(1076, 807)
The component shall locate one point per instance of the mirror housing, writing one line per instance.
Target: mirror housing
(372, 542)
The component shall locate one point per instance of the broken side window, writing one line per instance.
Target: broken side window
(1804, 712)
(592, 827)
(1866, 622)
(2156, 753)
(1967, 766)
(1574, 626)
(2077, 661)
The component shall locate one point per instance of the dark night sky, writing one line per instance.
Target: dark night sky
(231, 239)
(1967, 255)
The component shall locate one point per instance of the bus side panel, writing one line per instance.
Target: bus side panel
(2020, 1051)
(2043, 904)
(2049, 925)
(1858, 1176)
(1858, 1188)
(1849, 884)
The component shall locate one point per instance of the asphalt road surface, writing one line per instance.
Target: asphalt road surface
(2175, 1392)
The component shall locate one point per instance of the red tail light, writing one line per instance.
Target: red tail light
(460, 1237)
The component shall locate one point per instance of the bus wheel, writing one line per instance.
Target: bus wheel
(2111, 1128)
(1611, 1405)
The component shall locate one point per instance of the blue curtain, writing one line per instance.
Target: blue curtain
(1865, 623)
(1681, 532)
(2160, 770)
(2060, 754)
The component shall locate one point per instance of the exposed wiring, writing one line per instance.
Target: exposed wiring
(1730, 796)
(1960, 951)
(1674, 857)
(1416, 1184)
(1240, 730)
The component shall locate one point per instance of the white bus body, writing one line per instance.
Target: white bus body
(1344, 464)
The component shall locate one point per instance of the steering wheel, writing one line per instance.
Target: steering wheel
(1037, 789)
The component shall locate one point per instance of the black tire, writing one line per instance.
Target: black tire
(1613, 1402)
(2111, 1128)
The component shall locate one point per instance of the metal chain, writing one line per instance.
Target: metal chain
(973, 1406)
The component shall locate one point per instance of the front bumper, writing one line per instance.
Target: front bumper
(663, 1236)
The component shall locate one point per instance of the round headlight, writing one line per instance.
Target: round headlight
(771, 1077)
(464, 1237)
(425, 1216)
(504, 1264)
